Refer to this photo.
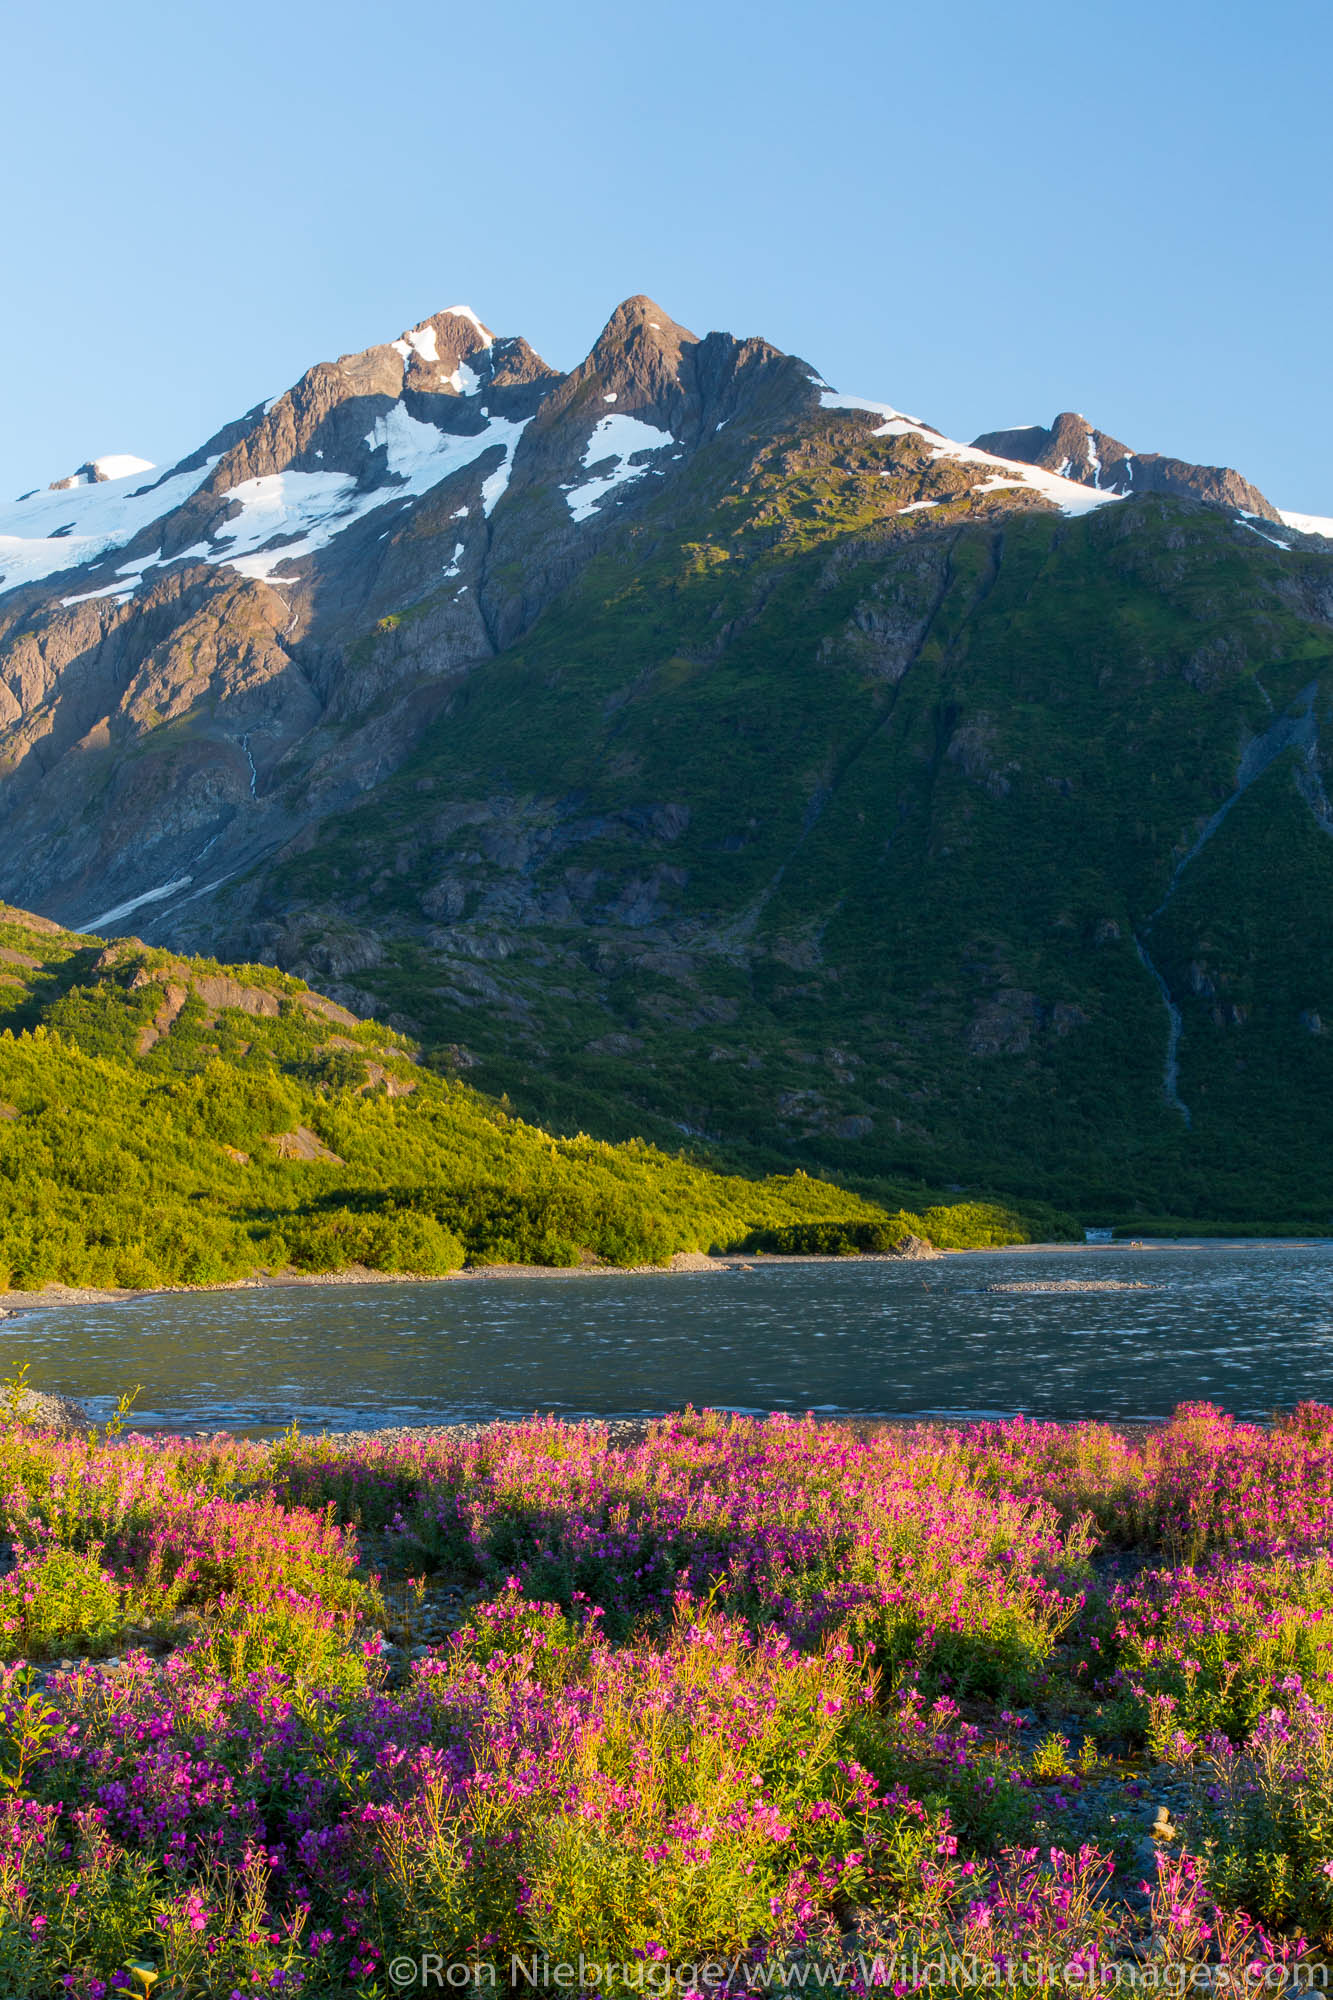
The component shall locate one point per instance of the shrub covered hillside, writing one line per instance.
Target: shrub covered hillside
(165, 1120)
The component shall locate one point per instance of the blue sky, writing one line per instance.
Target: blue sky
(984, 213)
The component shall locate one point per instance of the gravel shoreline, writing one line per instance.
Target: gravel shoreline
(683, 1263)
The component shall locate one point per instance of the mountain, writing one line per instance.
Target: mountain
(691, 750)
(1075, 449)
(166, 1119)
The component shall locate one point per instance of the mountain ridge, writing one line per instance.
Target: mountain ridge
(1075, 449)
(531, 708)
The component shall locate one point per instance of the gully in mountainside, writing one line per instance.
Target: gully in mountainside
(1297, 729)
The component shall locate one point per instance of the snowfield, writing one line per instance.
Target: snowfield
(63, 527)
(1309, 524)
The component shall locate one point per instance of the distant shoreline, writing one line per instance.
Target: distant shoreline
(683, 1263)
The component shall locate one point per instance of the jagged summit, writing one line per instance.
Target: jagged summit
(456, 353)
(1073, 448)
(100, 471)
(643, 319)
(437, 354)
(678, 387)
(448, 373)
(637, 361)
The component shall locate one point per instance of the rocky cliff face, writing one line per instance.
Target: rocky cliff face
(688, 748)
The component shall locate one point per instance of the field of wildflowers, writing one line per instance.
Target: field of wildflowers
(724, 1704)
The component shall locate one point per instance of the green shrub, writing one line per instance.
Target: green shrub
(60, 1599)
(830, 1239)
(290, 1635)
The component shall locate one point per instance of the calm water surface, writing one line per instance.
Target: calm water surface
(1249, 1327)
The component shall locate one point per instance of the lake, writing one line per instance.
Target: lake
(1247, 1326)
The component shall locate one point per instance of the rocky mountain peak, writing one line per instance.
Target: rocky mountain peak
(454, 354)
(640, 320)
(646, 368)
(1073, 448)
(100, 471)
(438, 356)
(1084, 452)
(449, 371)
(637, 364)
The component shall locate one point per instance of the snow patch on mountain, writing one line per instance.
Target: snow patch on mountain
(420, 341)
(1067, 494)
(95, 926)
(1308, 524)
(1070, 495)
(831, 400)
(128, 578)
(494, 484)
(117, 590)
(1241, 522)
(306, 508)
(66, 527)
(622, 439)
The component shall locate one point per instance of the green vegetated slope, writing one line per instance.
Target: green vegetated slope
(172, 1120)
(844, 837)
